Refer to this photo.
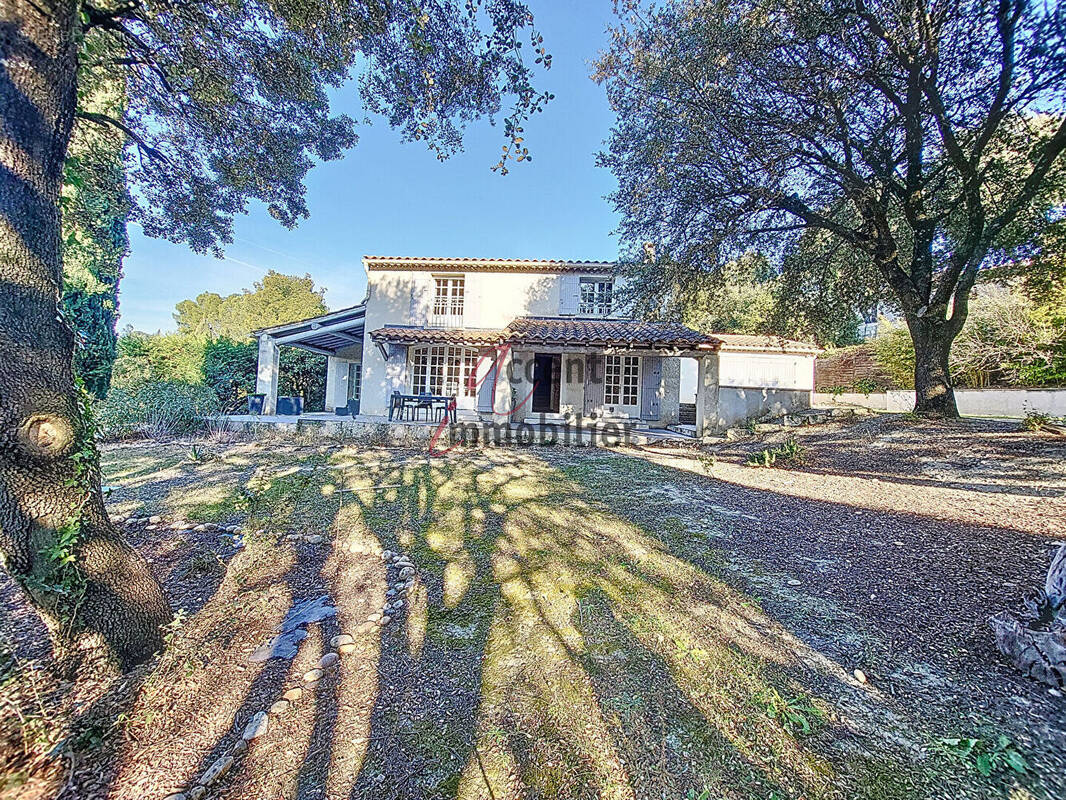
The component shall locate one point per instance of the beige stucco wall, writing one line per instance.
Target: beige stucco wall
(766, 370)
(492, 300)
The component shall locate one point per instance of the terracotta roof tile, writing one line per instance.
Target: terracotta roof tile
(580, 331)
(764, 344)
(613, 332)
(472, 337)
(486, 264)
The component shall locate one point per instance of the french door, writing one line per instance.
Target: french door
(621, 385)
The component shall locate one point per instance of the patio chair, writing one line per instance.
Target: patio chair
(395, 404)
(424, 401)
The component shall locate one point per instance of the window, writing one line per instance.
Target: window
(449, 297)
(621, 378)
(595, 297)
(443, 370)
(355, 377)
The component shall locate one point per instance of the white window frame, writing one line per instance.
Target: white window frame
(355, 379)
(595, 296)
(449, 301)
(443, 369)
(621, 381)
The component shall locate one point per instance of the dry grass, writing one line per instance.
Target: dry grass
(566, 638)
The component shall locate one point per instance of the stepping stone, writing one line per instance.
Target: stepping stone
(217, 770)
(280, 707)
(257, 726)
(293, 694)
(328, 661)
(347, 648)
(312, 675)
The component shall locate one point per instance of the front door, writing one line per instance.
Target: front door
(545, 384)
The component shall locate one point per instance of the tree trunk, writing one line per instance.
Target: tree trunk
(89, 586)
(934, 394)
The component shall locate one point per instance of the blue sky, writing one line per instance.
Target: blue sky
(390, 198)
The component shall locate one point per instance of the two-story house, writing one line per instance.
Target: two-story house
(517, 340)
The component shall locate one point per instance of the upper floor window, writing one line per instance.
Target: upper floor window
(449, 297)
(595, 297)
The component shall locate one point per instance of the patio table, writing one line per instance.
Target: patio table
(440, 405)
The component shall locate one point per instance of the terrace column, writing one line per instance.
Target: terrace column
(334, 382)
(503, 399)
(707, 395)
(266, 377)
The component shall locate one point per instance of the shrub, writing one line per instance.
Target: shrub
(1005, 341)
(156, 409)
(229, 369)
(789, 454)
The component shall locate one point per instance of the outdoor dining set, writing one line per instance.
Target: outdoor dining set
(430, 407)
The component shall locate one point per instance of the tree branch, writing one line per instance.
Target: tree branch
(106, 121)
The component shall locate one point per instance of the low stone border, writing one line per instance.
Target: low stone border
(342, 644)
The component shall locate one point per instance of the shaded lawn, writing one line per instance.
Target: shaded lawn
(565, 639)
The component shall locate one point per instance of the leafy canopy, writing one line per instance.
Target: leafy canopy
(914, 134)
(275, 300)
(229, 101)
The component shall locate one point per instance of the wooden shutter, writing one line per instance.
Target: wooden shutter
(652, 376)
(569, 293)
(593, 383)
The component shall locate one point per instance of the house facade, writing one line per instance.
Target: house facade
(533, 340)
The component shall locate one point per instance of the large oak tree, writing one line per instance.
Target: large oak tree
(911, 132)
(226, 102)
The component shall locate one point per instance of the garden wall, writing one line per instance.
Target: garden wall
(971, 402)
(847, 366)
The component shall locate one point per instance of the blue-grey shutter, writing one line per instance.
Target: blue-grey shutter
(486, 392)
(593, 383)
(569, 293)
(652, 376)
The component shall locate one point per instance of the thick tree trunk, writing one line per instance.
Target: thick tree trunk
(51, 506)
(934, 394)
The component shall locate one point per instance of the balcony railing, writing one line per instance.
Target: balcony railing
(445, 321)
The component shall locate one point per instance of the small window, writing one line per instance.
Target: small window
(449, 297)
(596, 297)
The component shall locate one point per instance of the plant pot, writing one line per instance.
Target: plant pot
(290, 406)
(255, 403)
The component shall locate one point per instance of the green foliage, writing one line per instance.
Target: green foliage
(894, 352)
(789, 454)
(797, 715)
(303, 374)
(229, 102)
(212, 347)
(1006, 341)
(156, 409)
(145, 358)
(229, 369)
(94, 205)
(783, 127)
(986, 757)
(823, 288)
(275, 300)
(1036, 421)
